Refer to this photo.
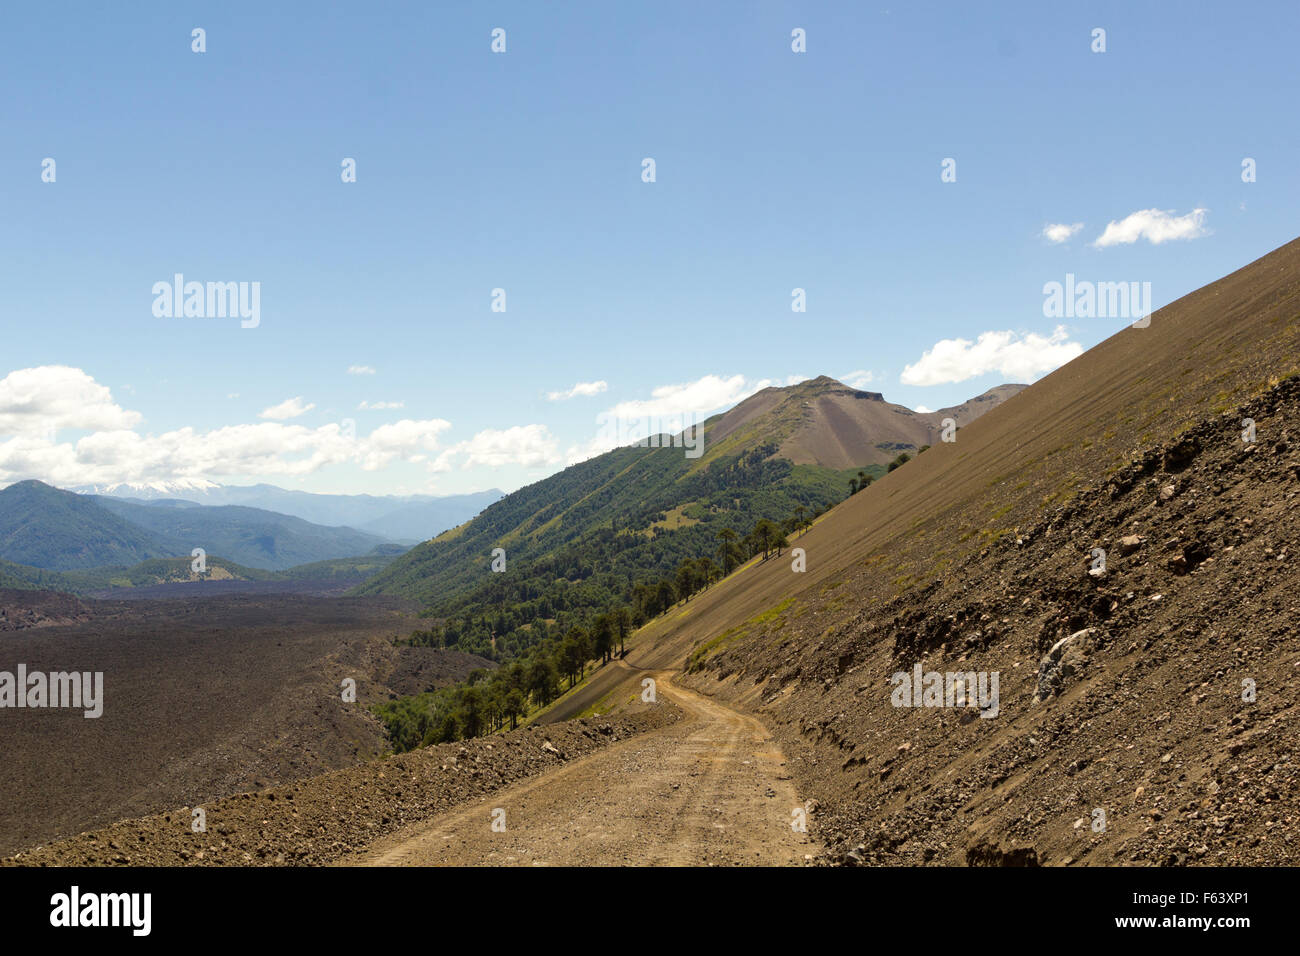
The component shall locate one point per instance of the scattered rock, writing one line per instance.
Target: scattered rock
(1129, 543)
(1066, 658)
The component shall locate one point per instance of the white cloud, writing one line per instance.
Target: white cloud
(923, 409)
(35, 403)
(404, 439)
(582, 388)
(379, 406)
(1155, 225)
(268, 448)
(704, 395)
(1058, 232)
(45, 399)
(859, 379)
(106, 457)
(289, 408)
(360, 370)
(530, 446)
(1020, 359)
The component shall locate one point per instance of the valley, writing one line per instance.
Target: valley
(1145, 714)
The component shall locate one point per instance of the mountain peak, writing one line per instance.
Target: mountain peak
(824, 422)
(29, 487)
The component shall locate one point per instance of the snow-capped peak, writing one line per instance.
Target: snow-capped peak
(159, 488)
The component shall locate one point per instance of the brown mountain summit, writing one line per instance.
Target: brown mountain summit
(825, 422)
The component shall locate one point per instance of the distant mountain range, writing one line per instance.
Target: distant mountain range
(780, 449)
(403, 518)
(44, 527)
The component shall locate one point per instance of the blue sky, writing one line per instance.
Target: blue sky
(522, 171)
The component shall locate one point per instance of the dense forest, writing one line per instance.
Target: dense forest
(550, 613)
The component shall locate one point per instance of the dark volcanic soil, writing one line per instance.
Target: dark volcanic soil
(321, 820)
(20, 610)
(204, 697)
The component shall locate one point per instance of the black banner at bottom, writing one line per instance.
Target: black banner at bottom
(339, 905)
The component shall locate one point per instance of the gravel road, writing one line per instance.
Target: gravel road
(712, 789)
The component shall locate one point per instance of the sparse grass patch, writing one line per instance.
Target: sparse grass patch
(993, 537)
(706, 650)
(701, 653)
(770, 613)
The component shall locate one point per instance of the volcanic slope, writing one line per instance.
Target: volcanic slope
(1132, 740)
(822, 422)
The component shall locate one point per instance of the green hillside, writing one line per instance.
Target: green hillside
(43, 527)
(604, 524)
(160, 571)
(633, 509)
(342, 569)
(20, 577)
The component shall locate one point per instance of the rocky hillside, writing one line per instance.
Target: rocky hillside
(1126, 689)
(1127, 730)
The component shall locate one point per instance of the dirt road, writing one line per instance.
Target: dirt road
(711, 790)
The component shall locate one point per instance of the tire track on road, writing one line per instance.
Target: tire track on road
(709, 790)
